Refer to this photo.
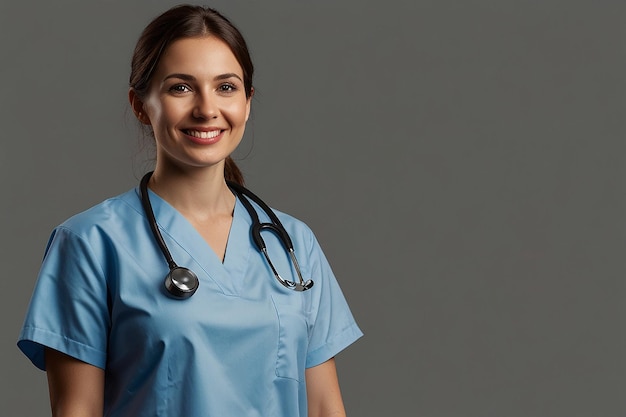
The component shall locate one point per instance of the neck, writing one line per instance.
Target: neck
(198, 193)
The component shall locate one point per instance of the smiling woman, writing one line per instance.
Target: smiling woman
(113, 339)
(198, 112)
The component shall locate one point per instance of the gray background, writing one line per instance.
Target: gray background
(462, 163)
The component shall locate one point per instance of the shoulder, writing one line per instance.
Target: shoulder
(297, 228)
(108, 224)
(107, 215)
(291, 222)
(97, 235)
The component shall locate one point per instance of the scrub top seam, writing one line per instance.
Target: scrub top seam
(334, 345)
(45, 338)
(88, 247)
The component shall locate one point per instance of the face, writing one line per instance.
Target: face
(196, 104)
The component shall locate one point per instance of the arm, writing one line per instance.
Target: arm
(76, 388)
(323, 393)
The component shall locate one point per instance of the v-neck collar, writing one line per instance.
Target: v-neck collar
(229, 275)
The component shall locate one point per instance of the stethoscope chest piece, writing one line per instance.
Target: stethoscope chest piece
(181, 283)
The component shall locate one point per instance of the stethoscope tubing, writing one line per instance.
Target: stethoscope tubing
(277, 228)
(147, 208)
(182, 283)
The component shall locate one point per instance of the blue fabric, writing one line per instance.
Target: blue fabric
(238, 347)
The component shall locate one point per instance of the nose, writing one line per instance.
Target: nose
(205, 106)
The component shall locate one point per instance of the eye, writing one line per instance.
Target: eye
(179, 88)
(227, 88)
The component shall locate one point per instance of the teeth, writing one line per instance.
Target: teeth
(203, 135)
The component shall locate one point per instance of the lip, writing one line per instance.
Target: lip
(203, 141)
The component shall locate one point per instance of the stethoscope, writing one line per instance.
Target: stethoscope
(182, 282)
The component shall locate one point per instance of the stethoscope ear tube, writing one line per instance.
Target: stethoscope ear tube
(275, 226)
(278, 226)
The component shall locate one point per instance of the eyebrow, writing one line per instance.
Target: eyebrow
(187, 77)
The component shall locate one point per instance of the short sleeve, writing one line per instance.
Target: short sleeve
(333, 325)
(68, 310)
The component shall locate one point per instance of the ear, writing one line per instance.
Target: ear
(138, 107)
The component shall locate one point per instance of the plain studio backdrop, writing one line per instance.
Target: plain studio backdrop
(461, 162)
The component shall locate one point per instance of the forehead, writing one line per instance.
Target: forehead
(199, 56)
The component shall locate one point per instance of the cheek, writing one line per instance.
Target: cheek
(162, 112)
(153, 111)
(239, 112)
(233, 107)
(247, 110)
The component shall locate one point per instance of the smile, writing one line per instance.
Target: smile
(203, 135)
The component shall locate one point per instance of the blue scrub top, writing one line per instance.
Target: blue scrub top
(238, 347)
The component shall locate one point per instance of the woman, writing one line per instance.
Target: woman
(238, 341)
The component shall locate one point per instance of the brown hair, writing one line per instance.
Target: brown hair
(187, 21)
